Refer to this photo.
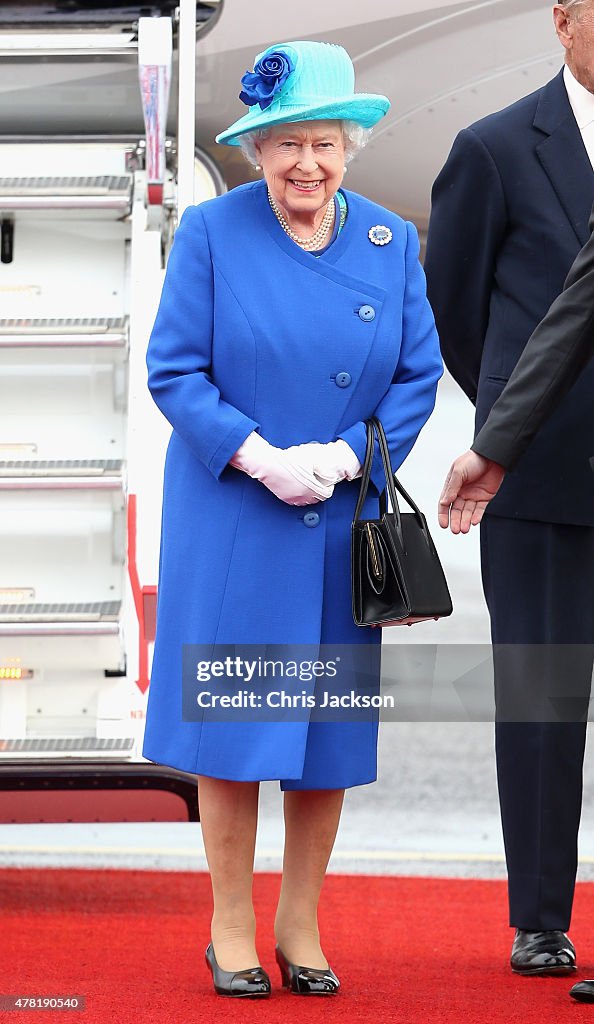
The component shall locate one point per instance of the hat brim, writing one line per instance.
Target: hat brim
(365, 109)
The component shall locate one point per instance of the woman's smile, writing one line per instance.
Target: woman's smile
(305, 186)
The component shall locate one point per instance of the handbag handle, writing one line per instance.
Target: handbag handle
(393, 485)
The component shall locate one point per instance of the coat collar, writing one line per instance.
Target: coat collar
(323, 265)
(291, 248)
(563, 155)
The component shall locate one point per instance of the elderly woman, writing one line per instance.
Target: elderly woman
(292, 311)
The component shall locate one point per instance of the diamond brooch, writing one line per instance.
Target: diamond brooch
(379, 234)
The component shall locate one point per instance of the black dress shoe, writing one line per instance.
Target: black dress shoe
(253, 983)
(583, 992)
(549, 952)
(306, 981)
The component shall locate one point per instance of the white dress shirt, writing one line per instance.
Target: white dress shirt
(582, 104)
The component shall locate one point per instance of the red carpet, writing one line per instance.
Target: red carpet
(406, 949)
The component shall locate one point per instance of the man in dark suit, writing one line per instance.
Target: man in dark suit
(559, 349)
(509, 215)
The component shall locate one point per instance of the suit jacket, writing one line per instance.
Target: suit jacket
(509, 215)
(559, 349)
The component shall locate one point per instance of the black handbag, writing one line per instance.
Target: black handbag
(397, 577)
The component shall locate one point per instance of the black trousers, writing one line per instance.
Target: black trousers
(538, 580)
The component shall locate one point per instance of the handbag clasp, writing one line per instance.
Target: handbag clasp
(374, 557)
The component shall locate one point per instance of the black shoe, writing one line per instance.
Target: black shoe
(253, 983)
(583, 992)
(306, 981)
(549, 952)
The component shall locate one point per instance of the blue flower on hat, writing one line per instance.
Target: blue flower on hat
(267, 79)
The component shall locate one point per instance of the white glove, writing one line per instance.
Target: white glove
(286, 472)
(331, 462)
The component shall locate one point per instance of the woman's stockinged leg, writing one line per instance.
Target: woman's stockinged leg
(311, 824)
(229, 816)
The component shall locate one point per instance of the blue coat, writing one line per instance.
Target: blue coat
(253, 333)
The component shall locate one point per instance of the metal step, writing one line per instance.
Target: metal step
(101, 192)
(76, 14)
(100, 618)
(65, 745)
(63, 333)
(48, 44)
(64, 474)
(98, 611)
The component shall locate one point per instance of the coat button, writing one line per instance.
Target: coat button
(311, 519)
(343, 379)
(367, 313)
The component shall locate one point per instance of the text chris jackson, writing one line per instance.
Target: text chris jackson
(282, 699)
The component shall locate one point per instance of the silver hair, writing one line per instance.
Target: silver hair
(355, 137)
(569, 5)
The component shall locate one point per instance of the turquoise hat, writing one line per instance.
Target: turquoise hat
(302, 81)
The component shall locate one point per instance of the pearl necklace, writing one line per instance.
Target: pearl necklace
(316, 239)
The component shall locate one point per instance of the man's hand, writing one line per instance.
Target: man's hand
(470, 484)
